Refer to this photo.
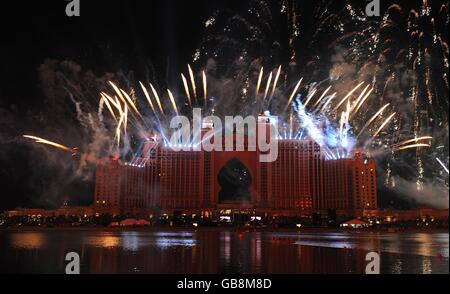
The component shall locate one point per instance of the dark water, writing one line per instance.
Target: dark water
(214, 251)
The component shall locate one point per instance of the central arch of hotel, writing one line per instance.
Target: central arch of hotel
(234, 179)
(238, 169)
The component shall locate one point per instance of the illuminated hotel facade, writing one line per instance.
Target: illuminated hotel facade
(299, 183)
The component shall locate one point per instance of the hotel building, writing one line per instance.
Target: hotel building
(299, 183)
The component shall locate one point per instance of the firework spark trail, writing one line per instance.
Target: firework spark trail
(442, 164)
(293, 93)
(372, 119)
(362, 101)
(309, 121)
(205, 88)
(186, 89)
(131, 103)
(356, 103)
(275, 82)
(348, 95)
(153, 109)
(269, 80)
(119, 106)
(39, 140)
(147, 96)
(114, 102)
(328, 102)
(126, 99)
(311, 94)
(125, 120)
(118, 92)
(158, 101)
(258, 85)
(123, 110)
(191, 75)
(413, 140)
(383, 125)
(118, 133)
(321, 97)
(109, 106)
(412, 146)
(386, 85)
(172, 100)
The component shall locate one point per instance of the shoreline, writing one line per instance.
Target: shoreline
(235, 229)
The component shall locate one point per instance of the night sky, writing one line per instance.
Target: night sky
(108, 37)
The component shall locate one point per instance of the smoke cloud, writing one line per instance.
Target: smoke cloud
(432, 194)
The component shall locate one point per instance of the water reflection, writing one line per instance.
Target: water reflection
(28, 240)
(396, 267)
(426, 265)
(168, 242)
(134, 241)
(225, 248)
(106, 240)
(218, 251)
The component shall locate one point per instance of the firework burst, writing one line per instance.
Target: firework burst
(384, 85)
